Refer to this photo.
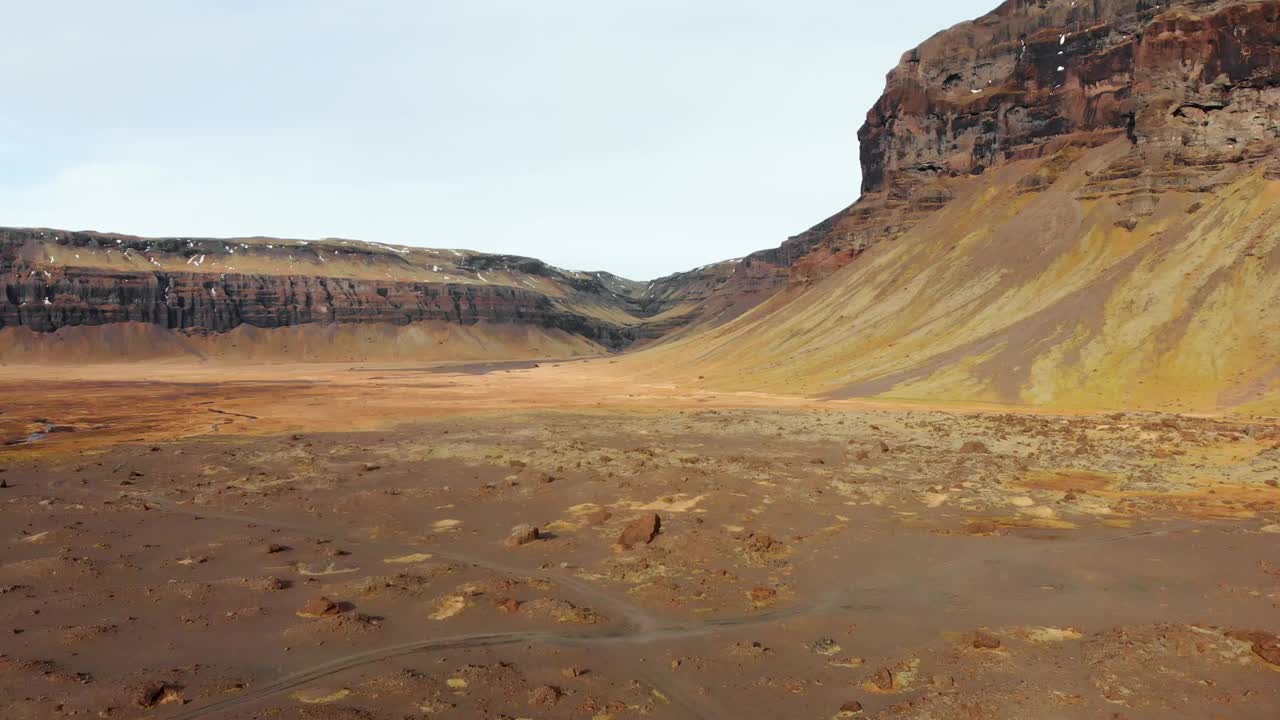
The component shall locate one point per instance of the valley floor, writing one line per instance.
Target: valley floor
(169, 532)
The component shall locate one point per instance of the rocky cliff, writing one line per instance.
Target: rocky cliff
(1065, 203)
(1192, 85)
(51, 279)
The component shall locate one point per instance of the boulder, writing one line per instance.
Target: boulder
(318, 607)
(641, 531)
(984, 640)
(522, 535)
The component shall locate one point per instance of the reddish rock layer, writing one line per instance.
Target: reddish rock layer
(54, 279)
(1194, 85)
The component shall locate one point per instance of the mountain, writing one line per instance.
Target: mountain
(1070, 204)
(1065, 203)
(64, 294)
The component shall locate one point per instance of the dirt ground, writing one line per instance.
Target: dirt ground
(339, 542)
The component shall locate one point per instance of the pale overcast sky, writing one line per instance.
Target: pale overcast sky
(636, 136)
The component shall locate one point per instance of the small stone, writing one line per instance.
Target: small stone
(522, 535)
(762, 542)
(1267, 648)
(572, 672)
(973, 447)
(763, 594)
(370, 467)
(599, 517)
(157, 693)
(318, 607)
(642, 530)
(1272, 482)
(825, 646)
(984, 640)
(509, 605)
(545, 695)
(982, 527)
(274, 548)
(853, 706)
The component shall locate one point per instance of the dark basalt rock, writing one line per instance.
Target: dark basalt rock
(44, 286)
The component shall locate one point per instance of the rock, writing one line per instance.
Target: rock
(1267, 648)
(825, 646)
(509, 606)
(318, 607)
(157, 693)
(1270, 481)
(274, 548)
(4, 483)
(370, 467)
(572, 672)
(973, 447)
(982, 527)
(763, 594)
(853, 706)
(599, 517)
(642, 530)
(762, 542)
(984, 640)
(522, 535)
(883, 679)
(545, 695)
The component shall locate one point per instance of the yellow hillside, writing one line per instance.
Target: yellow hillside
(1051, 298)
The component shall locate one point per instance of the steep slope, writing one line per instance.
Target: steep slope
(64, 283)
(1068, 204)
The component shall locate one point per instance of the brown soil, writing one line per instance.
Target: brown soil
(297, 541)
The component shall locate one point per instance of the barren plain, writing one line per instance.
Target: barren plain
(345, 541)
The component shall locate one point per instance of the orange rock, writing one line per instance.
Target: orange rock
(642, 530)
(319, 607)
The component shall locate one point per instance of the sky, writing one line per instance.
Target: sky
(642, 137)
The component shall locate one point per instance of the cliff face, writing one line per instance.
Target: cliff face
(1192, 85)
(56, 279)
(1194, 77)
(1066, 203)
